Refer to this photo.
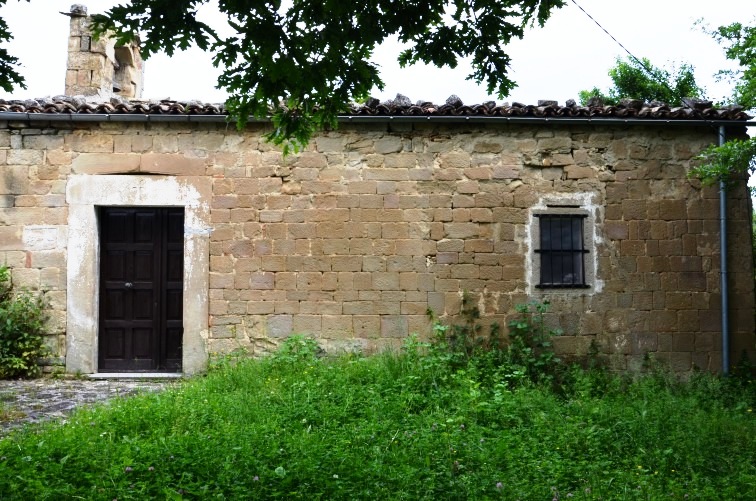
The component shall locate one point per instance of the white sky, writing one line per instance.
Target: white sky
(569, 54)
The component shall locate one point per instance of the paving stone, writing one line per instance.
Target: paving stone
(38, 400)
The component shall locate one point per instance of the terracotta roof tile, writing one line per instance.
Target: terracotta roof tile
(399, 107)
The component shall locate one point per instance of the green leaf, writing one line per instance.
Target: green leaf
(728, 163)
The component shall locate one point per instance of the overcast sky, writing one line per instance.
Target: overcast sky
(569, 54)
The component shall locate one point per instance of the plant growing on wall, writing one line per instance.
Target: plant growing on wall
(22, 317)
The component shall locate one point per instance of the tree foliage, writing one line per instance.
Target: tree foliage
(726, 163)
(303, 62)
(635, 79)
(735, 158)
(9, 76)
(739, 42)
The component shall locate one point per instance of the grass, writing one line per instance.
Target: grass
(396, 426)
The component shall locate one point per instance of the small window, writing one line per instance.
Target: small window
(561, 250)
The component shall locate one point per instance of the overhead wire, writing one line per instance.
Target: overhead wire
(637, 60)
(722, 202)
(640, 62)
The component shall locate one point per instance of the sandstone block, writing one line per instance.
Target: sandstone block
(633, 247)
(359, 308)
(394, 230)
(386, 174)
(48, 259)
(389, 144)
(401, 161)
(260, 307)
(394, 326)
(468, 187)
(685, 263)
(633, 209)
(262, 281)
(455, 160)
(509, 215)
(25, 278)
(271, 216)
(560, 144)
(616, 230)
(89, 143)
(670, 247)
(339, 327)
(465, 271)
(366, 326)
(670, 210)
(363, 187)
(579, 172)
(279, 326)
(692, 281)
(311, 160)
(310, 280)
(479, 173)
(10, 238)
(346, 263)
(14, 180)
(663, 321)
(386, 281)
(307, 324)
(461, 230)
(97, 163)
(488, 146)
(171, 164)
(42, 142)
(165, 143)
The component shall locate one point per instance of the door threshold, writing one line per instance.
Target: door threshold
(136, 375)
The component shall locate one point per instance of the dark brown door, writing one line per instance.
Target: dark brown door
(141, 288)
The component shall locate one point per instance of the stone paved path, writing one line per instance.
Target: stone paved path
(32, 401)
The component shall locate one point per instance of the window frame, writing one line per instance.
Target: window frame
(575, 204)
(576, 250)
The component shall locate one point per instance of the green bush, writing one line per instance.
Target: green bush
(22, 317)
(526, 357)
(530, 348)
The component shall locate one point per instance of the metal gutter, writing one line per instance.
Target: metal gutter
(181, 118)
(723, 268)
(524, 120)
(103, 117)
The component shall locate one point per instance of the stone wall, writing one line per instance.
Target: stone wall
(354, 239)
(99, 67)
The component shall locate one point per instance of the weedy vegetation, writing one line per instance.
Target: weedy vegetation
(441, 419)
(22, 318)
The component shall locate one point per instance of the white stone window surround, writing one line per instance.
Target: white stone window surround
(84, 193)
(578, 204)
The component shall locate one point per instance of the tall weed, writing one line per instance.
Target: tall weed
(22, 318)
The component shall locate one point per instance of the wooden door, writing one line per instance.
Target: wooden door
(141, 288)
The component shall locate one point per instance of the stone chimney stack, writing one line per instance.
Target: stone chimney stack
(99, 67)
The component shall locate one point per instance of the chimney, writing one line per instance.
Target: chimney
(99, 67)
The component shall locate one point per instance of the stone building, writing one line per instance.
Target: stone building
(160, 234)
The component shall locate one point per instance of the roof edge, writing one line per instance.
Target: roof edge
(22, 116)
(452, 110)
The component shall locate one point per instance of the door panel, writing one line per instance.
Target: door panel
(172, 291)
(141, 288)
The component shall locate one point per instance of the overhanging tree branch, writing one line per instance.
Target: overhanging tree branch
(305, 63)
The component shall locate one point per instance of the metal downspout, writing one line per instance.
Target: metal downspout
(723, 268)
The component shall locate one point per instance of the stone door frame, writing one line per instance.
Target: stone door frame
(84, 193)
